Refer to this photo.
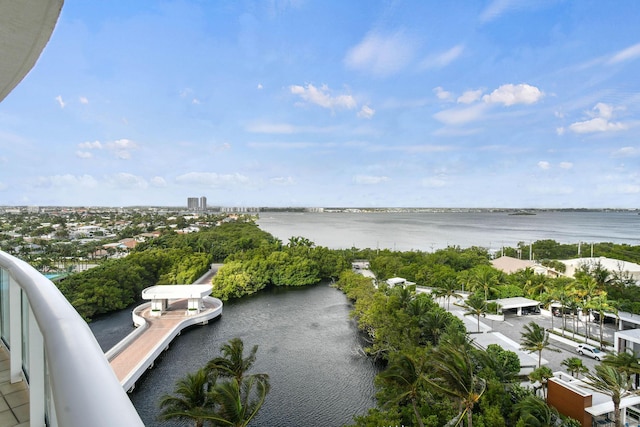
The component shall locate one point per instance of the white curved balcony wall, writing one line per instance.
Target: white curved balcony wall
(70, 380)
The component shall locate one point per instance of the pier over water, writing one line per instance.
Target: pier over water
(158, 323)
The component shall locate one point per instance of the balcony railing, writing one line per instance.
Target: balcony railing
(70, 381)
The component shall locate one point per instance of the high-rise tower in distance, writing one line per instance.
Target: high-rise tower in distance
(197, 204)
(193, 203)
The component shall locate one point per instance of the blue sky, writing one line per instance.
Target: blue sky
(497, 103)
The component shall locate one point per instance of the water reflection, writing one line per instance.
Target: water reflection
(307, 344)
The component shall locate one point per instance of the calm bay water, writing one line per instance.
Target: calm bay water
(405, 231)
(307, 344)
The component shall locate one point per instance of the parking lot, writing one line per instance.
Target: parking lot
(513, 326)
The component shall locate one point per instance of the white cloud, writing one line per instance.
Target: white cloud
(158, 181)
(83, 100)
(628, 189)
(66, 181)
(627, 54)
(566, 165)
(60, 101)
(123, 144)
(470, 96)
(498, 8)
(544, 165)
(221, 147)
(88, 145)
(442, 94)
(322, 97)
(510, 94)
(558, 190)
(381, 55)
(284, 145)
(259, 87)
(366, 112)
(369, 179)
(282, 180)
(277, 128)
(458, 116)
(602, 110)
(601, 114)
(128, 181)
(442, 59)
(122, 148)
(560, 130)
(84, 154)
(452, 132)
(626, 152)
(433, 182)
(495, 9)
(596, 125)
(212, 179)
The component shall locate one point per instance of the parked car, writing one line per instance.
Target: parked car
(591, 351)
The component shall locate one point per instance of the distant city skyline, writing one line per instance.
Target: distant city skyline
(488, 104)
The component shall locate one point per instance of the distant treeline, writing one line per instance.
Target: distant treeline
(254, 259)
(551, 250)
(170, 259)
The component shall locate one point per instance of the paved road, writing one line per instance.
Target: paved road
(206, 278)
(512, 327)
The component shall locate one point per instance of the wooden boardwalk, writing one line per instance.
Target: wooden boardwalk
(138, 351)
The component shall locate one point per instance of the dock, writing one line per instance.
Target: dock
(156, 329)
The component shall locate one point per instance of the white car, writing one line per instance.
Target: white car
(591, 351)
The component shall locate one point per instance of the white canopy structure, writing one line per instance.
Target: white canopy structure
(160, 296)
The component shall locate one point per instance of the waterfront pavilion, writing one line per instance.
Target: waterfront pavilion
(161, 295)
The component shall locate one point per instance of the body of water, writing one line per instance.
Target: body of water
(307, 344)
(426, 231)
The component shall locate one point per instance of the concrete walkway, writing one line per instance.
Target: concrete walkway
(138, 351)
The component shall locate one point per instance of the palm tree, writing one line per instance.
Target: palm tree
(527, 277)
(626, 362)
(420, 306)
(191, 400)
(232, 364)
(238, 403)
(600, 304)
(535, 338)
(477, 306)
(485, 278)
(535, 412)
(403, 294)
(612, 382)
(454, 375)
(542, 375)
(407, 373)
(587, 289)
(575, 366)
(447, 290)
(434, 324)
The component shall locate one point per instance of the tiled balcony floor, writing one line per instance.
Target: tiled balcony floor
(14, 398)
